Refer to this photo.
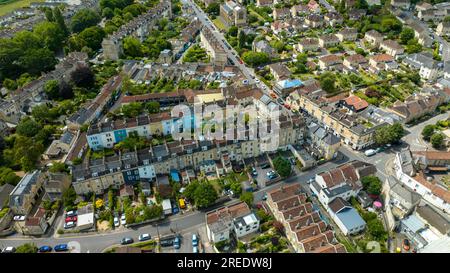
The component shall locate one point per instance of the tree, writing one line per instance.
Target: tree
(428, 131)
(247, 197)
(111, 199)
(376, 229)
(129, 215)
(28, 127)
(59, 19)
(83, 19)
(372, 184)
(132, 47)
(406, 35)
(37, 60)
(413, 46)
(389, 134)
(92, 37)
(51, 88)
(65, 90)
(132, 109)
(51, 34)
(68, 197)
(255, 58)
(282, 166)
(202, 193)
(107, 13)
(8, 176)
(41, 113)
(27, 248)
(153, 107)
(83, 76)
(328, 82)
(437, 140)
(241, 39)
(58, 167)
(233, 31)
(213, 8)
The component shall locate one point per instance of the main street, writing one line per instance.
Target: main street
(231, 53)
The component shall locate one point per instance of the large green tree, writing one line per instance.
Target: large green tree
(92, 37)
(51, 34)
(437, 140)
(428, 131)
(282, 166)
(372, 184)
(83, 19)
(389, 134)
(328, 82)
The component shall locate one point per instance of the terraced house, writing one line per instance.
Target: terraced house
(304, 227)
(355, 130)
(97, 175)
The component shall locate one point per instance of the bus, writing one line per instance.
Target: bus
(182, 204)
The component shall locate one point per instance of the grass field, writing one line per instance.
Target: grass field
(220, 24)
(6, 6)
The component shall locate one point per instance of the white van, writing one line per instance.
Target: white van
(370, 152)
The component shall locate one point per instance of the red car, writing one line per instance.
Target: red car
(273, 95)
(287, 106)
(240, 61)
(71, 219)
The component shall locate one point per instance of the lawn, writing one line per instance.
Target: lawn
(6, 6)
(220, 24)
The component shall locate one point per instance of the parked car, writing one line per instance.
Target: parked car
(123, 220)
(254, 172)
(9, 249)
(264, 196)
(61, 247)
(71, 219)
(126, 241)
(116, 222)
(19, 218)
(166, 242)
(176, 242)
(144, 237)
(43, 249)
(69, 225)
(71, 213)
(370, 152)
(406, 244)
(310, 180)
(257, 81)
(194, 240)
(194, 249)
(265, 166)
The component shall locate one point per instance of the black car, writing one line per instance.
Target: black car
(265, 166)
(166, 242)
(127, 241)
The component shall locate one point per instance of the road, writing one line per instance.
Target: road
(232, 54)
(414, 137)
(97, 242)
(445, 45)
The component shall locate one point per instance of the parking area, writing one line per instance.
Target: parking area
(186, 242)
(262, 178)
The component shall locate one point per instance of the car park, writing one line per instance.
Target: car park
(144, 237)
(69, 225)
(43, 249)
(61, 247)
(126, 241)
(9, 249)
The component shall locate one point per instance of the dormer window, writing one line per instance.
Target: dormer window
(94, 174)
(204, 148)
(189, 151)
(146, 162)
(159, 158)
(127, 166)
